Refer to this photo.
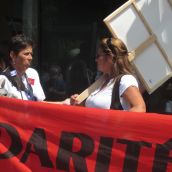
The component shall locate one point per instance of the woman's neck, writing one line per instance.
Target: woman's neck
(108, 76)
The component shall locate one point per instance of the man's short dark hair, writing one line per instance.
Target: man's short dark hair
(19, 42)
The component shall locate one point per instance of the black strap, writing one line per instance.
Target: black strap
(115, 101)
(29, 90)
(17, 82)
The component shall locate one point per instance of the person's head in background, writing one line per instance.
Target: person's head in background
(2, 62)
(112, 57)
(20, 52)
(55, 71)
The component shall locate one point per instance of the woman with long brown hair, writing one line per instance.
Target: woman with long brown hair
(120, 87)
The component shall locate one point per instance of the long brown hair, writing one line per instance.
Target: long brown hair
(116, 48)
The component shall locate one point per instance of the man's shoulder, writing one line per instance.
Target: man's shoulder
(3, 77)
(31, 71)
(32, 75)
(5, 74)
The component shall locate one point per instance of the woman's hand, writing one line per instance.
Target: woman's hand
(73, 99)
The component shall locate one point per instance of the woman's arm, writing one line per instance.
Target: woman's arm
(133, 96)
(64, 102)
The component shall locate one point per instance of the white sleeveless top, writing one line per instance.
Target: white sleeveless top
(102, 98)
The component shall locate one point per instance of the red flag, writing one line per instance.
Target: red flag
(36, 136)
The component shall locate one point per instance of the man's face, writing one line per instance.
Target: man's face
(23, 59)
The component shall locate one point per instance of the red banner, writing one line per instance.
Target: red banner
(42, 137)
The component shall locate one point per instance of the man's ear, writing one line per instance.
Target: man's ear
(12, 56)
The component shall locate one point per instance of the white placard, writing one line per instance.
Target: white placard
(135, 23)
(160, 21)
(132, 25)
(153, 67)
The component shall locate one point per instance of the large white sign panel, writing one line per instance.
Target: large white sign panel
(146, 28)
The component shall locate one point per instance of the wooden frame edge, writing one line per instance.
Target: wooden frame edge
(115, 13)
(170, 2)
(89, 90)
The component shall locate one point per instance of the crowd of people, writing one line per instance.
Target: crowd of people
(119, 89)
